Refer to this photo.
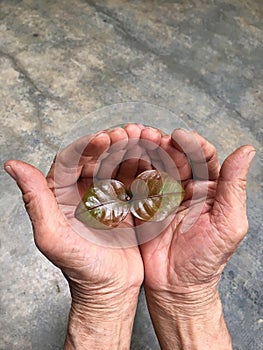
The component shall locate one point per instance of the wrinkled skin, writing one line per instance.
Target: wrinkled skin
(90, 269)
(189, 256)
(174, 261)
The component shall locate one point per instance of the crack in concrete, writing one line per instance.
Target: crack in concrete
(34, 98)
(173, 65)
(241, 118)
(19, 68)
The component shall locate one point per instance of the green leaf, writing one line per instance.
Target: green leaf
(104, 205)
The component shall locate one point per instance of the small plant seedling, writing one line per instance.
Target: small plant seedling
(152, 196)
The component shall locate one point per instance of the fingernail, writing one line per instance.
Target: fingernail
(251, 155)
(10, 171)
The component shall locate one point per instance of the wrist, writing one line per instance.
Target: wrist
(102, 323)
(189, 321)
(191, 303)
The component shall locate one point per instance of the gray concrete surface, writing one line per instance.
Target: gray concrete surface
(60, 60)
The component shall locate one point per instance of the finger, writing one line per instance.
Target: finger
(229, 209)
(133, 131)
(197, 191)
(103, 145)
(150, 138)
(145, 163)
(40, 204)
(79, 159)
(201, 153)
(155, 159)
(136, 158)
(174, 160)
(109, 166)
(89, 146)
(118, 138)
(94, 152)
(129, 166)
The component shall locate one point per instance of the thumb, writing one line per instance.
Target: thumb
(40, 203)
(229, 209)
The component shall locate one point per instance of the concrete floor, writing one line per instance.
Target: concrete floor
(59, 61)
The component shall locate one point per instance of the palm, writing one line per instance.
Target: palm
(96, 263)
(188, 258)
(81, 260)
(194, 248)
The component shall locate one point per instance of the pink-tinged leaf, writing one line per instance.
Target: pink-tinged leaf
(104, 205)
(155, 196)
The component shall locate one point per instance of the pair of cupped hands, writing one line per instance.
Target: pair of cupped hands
(180, 269)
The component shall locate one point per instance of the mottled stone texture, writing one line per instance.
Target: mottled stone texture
(60, 60)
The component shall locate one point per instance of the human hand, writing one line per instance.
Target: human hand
(183, 265)
(104, 281)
